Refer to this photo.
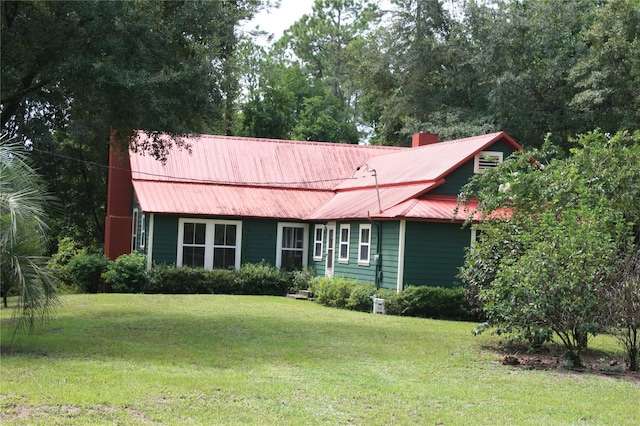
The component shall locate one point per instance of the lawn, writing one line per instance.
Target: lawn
(213, 359)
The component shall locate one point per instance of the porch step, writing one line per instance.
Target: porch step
(301, 295)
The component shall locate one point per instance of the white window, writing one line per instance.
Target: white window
(475, 234)
(486, 160)
(209, 243)
(343, 254)
(292, 246)
(143, 231)
(134, 230)
(364, 245)
(318, 237)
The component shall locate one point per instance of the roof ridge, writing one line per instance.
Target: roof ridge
(300, 142)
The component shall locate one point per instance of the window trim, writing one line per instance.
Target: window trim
(318, 243)
(134, 229)
(361, 261)
(209, 239)
(305, 242)
(344, 243)
(479, 167)
(143, 231)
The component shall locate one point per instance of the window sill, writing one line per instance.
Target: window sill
(343, 261)
(363, 263)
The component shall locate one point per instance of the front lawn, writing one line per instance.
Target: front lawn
(213, 359)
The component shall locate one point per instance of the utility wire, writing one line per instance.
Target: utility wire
(192, 180)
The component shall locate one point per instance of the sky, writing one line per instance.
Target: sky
(276, 21)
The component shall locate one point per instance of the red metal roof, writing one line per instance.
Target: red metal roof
(226, 200)
(436, 208)
(231, 176)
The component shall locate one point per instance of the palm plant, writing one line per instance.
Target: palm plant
(24, 203)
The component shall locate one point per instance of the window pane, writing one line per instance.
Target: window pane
(343, 251)
(218, 238)
(193, 256)
(201, 232)
(189, 229)
(317, 249)
(292, 237)
(344, 235)
(224, 257)
(364, 235)
(364, 252)
(291, 260)
(230, 235)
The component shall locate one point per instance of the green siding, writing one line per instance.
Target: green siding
(455, 180)
(165, 239)
(434, 252)
(390, 235)
(351, 269)
(259, 240)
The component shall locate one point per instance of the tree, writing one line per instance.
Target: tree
(74, 73)
(557, 231)
(24, 204)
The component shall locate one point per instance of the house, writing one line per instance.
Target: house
(377, 214)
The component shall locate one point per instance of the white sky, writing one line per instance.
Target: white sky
(278, 20)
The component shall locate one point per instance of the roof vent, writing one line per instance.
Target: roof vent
(422, 139)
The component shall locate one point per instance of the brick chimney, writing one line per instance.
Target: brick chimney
(118, 221)
(422, 139)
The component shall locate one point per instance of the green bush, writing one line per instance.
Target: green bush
(392, 302)
(85, 271)
(262, 279)
(361, 297)
(257, 279)
(301, 280)
(435, 302)
(169, 279)
(334, 292)
(127, 274)
(59, 264)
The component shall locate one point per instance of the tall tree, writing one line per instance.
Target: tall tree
(78, 71)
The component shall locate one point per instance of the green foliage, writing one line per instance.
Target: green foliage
(127, 274)
(554, 237)
(261, 279)
(301, 279)
(434, 302)
(255, 279)
(24, 207)
(86, 271)
(59, 263)
(361, 297)
(169, 279)
(334, 292)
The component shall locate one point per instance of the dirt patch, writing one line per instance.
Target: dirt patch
(550, 358)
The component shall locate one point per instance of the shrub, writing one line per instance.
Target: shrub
(127, 274)
(392, 301)
(169, 279)
(334, 292)
(59, 264)
(262, 279)
(301, 280)
(435, 302)
(85, 270)
(361, 297)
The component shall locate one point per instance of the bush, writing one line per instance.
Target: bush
(169, 279)
(361, 297)
(59, 264)
(334, 292)
(262, 279)
(435, 302)
(127, 274)
(392, 301)
(85, 271)
(301, 280)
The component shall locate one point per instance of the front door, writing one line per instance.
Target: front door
(331, 243)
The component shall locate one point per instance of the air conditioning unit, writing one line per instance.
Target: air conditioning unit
(378, 306)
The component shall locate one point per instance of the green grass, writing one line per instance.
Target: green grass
(154, 359)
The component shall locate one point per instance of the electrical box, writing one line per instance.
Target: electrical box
(377, 259)
(378, 306)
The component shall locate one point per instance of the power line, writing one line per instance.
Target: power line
(181, 179)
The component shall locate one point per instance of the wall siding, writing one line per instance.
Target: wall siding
(165, 239)
(352, 270)
(434, 252)
(390, 234)
(259, 240)
(455, 180)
